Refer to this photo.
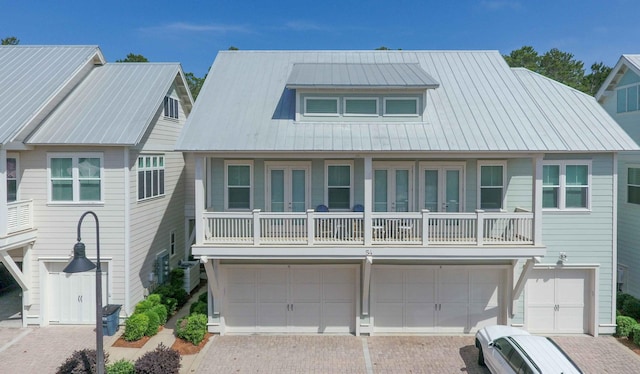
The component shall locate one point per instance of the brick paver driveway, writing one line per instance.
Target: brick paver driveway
(389, 354)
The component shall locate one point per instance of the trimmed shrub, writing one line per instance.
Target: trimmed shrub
(204, 297)
(624, 325)
(143, 306)
(168, 291)
(171, 304)
(135, 326)
(154, 323)
(121, 367)
(161, 311)
(192, 328)
(635, 332)
(631, 308)
(621, 297)
(162, 360)
(80, 362)
(176, 278)
(155, 299)
(198, 307)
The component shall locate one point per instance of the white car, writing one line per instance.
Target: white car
(505, 349)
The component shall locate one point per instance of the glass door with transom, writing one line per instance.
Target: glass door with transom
(392, 187)
(288, 187)
(442, 188)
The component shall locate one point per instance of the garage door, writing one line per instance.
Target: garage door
(290, 299)
(558, 301)
(416, 299)
(72, 297)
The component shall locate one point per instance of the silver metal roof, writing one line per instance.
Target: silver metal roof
(113, 105)
(481, 106)
(359, 75)
(32, 76)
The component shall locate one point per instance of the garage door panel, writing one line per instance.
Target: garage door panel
(420, 292)
(484, 292)
(338, 317)
(388, 317)
(481, 315)
(452, 317)
(244, 316)
(241, 292)
(339, 292)
(420, 317)
(272, 317)
(453, 292)
(305, 292)
(388, 293)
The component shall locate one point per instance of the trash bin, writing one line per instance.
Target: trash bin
(110, 320)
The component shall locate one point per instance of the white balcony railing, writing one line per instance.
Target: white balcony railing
(348, 228)
(19, 216)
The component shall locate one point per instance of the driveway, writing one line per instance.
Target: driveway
(389, 354)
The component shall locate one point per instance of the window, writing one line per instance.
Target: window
(400, 106)
(633, 185)
(75, 178)
(170, 107)
(360, 106)
(12, 178)
(321, 106)
(628, 99)
(492, 178)
(238, 181)
(172, 242)
(339, 187)
(150, 176)
(565, 185)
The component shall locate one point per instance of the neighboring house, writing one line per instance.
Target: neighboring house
(401, 192)
(80, 134)
(619, 96)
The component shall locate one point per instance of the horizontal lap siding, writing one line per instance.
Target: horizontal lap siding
(57, 224)
(587, 237)
(153, 219)
(628, 224)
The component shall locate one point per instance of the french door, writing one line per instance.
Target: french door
(288, 187)
(392, 187)
(442, 187)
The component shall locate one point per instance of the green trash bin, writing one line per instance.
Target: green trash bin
(110, 319)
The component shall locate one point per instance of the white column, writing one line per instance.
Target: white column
(3, 195)
(368, 199)
(537, 200)
(200, 195)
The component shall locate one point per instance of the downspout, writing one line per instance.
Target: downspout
(614, 244)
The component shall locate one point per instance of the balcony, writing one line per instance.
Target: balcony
(417, 229)
(19, 216)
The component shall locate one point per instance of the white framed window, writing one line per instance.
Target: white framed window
(13, 170)
(492, 176)
(238, 182)
(172, 242)
(633, 185)
(321, 106)
(400, 106)
(339, 184)
(566, 185)
(75, 177)
(151, 170)
(628, 98)
(171, 107)
(361, 106)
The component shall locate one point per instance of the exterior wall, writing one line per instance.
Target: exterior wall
(153, 219)
(57, 224)
(628, 234)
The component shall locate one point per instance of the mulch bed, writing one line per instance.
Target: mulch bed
(187, 348)
(134, 344)
(629, 344)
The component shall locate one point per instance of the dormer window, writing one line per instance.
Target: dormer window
(401, 106)
(360, 106)
(170, 107)
(321, 106)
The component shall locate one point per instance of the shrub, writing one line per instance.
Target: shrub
(154, 323)
(631, 308)
(635, 331)
(176, 292)
(171, 304)
(624, 325)
(135, 326)
(192, 328)
(198, 307)
(121, 367)
(161, 311)
(204, 297)
(621, 298)
(176, 278)
(155, 299)
(80, 362)
(143, 306)
(162, 360)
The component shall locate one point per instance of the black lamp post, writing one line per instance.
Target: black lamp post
(81, 263)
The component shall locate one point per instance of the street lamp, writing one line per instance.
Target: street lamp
(81, 263)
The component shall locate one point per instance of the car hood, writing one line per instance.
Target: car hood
(498, 331)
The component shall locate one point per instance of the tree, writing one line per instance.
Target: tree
(594, 80)
(233, 48)
(134, 58)
(11, 40)
(525, 57)
(195, 83)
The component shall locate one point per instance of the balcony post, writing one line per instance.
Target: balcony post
(368, 201)
(3, 195)
(479, 227)
(200, 199)
(311, 226)
(537, 200)
(425, 227)
(256, 226)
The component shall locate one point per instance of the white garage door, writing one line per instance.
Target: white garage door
(435, 298)
(558, 301)
(290, 298)
(72, 297)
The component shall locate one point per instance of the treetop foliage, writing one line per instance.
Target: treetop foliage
(11, 40)
(560, 66)
(131, 57)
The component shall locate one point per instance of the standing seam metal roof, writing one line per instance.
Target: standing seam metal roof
(482, 105)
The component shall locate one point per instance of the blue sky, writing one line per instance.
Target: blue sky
(192, 31)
